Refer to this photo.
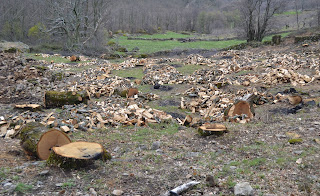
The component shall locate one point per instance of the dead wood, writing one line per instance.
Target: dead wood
(55, 99)
(211, 129)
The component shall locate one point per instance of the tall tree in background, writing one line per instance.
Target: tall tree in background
(77, 21)
(256, 15)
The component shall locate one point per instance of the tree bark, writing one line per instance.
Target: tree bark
(55, 99)
(37, 141)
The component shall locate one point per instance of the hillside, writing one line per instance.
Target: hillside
(153, 148)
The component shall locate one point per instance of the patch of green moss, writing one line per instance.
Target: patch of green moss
(59, 99)
(111, 43)
(295, 141)
(29, 136)
(11, 50)
(67, 163)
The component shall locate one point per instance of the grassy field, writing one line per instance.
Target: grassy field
(147, 46)
(150, 46)
(167, 35)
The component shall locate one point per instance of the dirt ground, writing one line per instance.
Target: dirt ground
(155, 159)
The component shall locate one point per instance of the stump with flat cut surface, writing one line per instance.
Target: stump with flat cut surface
(77, 154)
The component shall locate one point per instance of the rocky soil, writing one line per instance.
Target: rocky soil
(275, 153)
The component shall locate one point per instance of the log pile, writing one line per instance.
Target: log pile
(162, 74)
(281, 76)
(196, 59)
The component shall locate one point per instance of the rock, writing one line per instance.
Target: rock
(192, 154)
(117, 192)
(20, 87)
(143, 147)
(299, 161)
(233, 168)
(159, 151)
(44, 173)
(7, 185)
(156, 86)
(59, 184)
(211, 181)
(39, 184)
(92, 192)
(243, 188)
(298, 152)
(155, 145)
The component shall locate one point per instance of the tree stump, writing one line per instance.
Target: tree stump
(212, 129)
(49, 139)
(53, 99)
(239, 108)
(77, 154)
(37, 141)
(276, 39)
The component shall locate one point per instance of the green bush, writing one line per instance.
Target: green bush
(121, 49)
(111, 43)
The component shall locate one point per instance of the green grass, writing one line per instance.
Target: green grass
(147, 46)
(134, 72)
(167, 35)
(254, 162)
(287, 13)
(154, 131)
(68, 184)
(145, 88)
(23, 188)
(3, 173)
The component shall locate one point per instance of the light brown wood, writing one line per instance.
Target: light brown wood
(50, 139)
(80, 150)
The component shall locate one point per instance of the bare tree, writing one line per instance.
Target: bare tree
(77, 21)
(256, 15)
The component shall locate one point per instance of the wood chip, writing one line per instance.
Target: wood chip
(65, 129)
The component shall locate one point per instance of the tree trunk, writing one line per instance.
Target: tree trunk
(77, 154)
(54, 99)
(37, 141)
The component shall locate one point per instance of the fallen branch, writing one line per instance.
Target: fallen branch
(176, 191)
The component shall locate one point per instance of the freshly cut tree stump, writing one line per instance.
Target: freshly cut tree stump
(77, 154)
(53, 99)
(49, 139)
(74, 58)
(212, 129)
(132, 92)
(37, 141)
(239, 108)
(294, 99)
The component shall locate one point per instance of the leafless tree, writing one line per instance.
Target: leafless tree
(77, 21)
(256, 15)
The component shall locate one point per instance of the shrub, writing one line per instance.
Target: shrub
(111, 43)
